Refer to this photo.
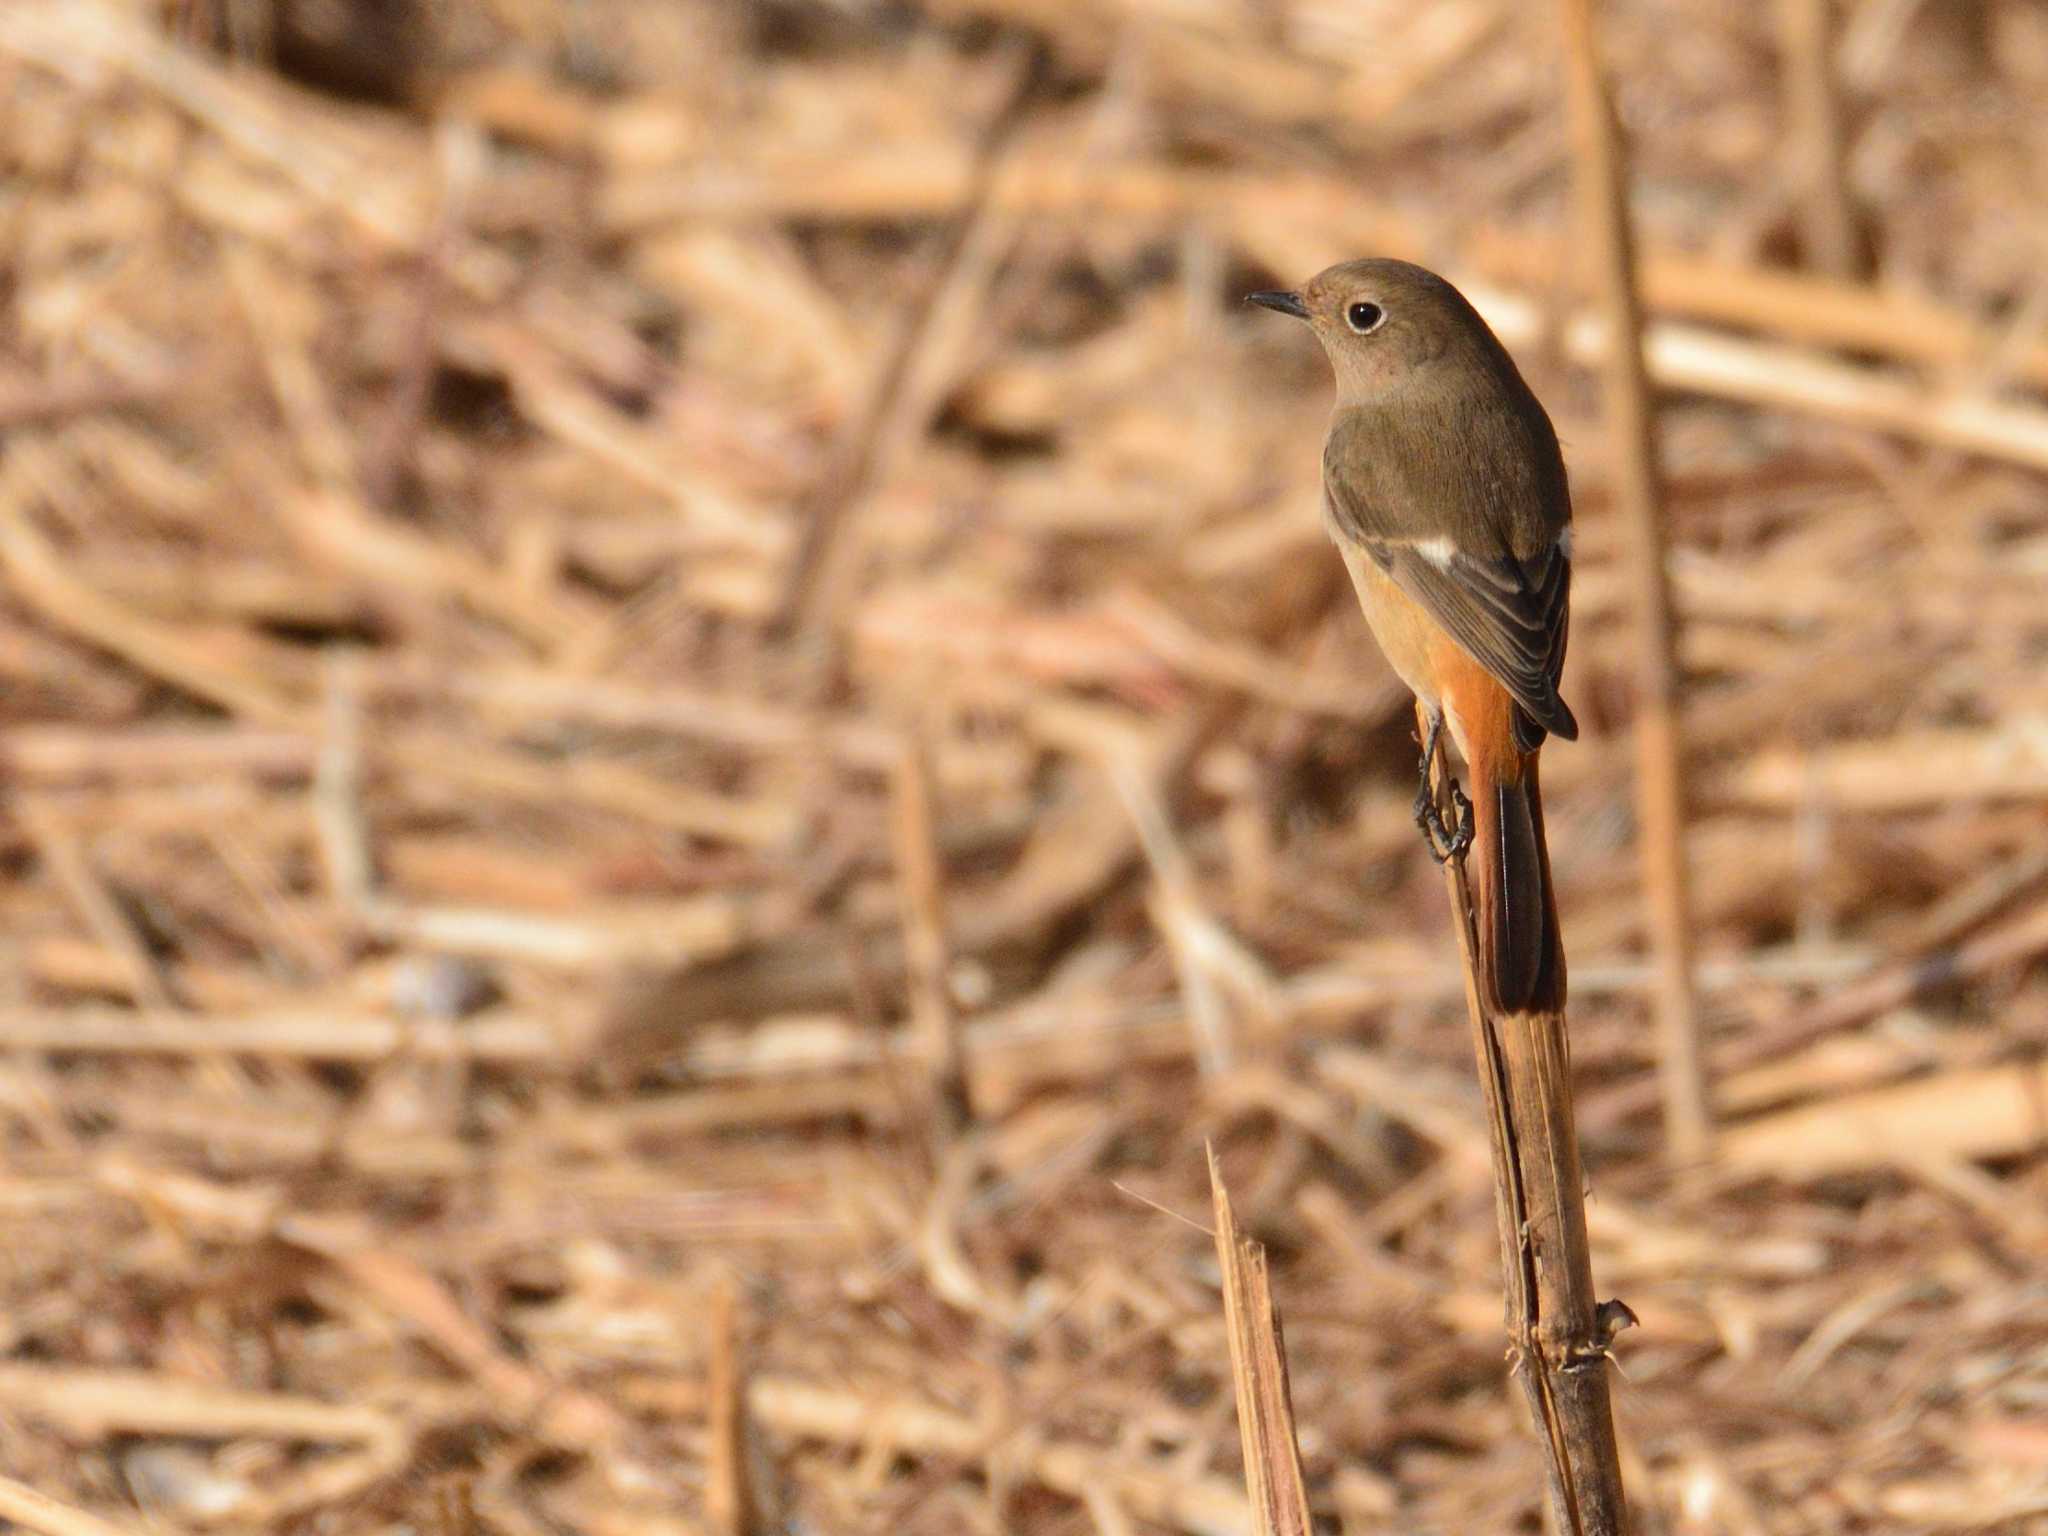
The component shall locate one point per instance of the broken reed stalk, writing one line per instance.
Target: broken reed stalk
(1600, 179)
(1557, 1334)
(1258, 1371)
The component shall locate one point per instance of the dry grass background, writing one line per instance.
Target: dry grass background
(611, 607)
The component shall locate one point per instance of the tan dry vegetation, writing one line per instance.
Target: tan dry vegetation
(677, 725)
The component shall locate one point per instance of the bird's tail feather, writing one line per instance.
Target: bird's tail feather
(1521, 958)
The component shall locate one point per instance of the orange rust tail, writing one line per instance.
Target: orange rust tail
(1521, 957)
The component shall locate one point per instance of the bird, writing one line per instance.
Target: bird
(1445, 492)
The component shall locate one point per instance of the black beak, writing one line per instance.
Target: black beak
(1286, 303)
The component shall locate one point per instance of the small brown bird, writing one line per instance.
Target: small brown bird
(1445, 492)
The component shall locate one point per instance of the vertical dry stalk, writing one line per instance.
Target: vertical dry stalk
(921, 891)
(1258, 1370)
(1557, 1332)
(1813, 122)
(1660, 769)
(727, 1493)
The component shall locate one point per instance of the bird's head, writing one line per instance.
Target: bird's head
(1385, 324)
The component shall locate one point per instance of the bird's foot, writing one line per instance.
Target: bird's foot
(1445, 840)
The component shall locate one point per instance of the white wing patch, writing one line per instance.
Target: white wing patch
(1564, 543)
(1438, 552)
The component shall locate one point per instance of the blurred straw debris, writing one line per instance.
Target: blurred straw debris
(461, 912)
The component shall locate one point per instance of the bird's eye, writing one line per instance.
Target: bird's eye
(1364, 318)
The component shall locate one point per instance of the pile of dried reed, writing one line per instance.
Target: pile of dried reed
(677, 724)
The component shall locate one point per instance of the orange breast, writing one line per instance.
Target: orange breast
(1437, 670)
(1405, 632)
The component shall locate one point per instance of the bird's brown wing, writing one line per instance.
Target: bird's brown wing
(1511, 615)
(1446, 552)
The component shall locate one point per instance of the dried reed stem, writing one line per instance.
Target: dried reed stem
(1660, 770)
(926, 953)
(727, 1494)
(1827, 215)
(22, 1506)
(1557, 1334)
(1258, 1370)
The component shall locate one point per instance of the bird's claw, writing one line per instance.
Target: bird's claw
(1444, 841)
